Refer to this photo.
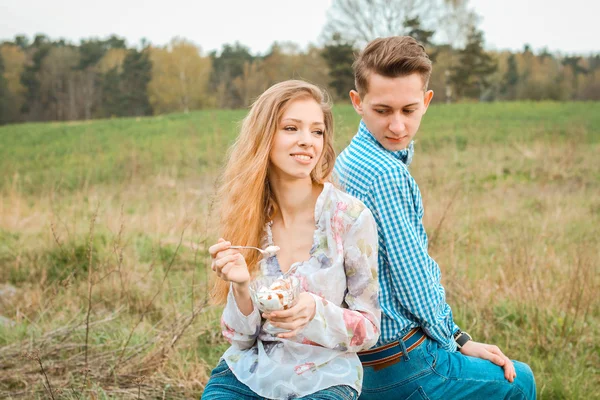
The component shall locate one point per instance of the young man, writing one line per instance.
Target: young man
(422, 353)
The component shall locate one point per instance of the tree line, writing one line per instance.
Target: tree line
(54, 80)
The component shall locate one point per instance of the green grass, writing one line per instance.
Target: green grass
(511, 194)
(40, 157)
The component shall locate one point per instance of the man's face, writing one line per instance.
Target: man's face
(392, 108)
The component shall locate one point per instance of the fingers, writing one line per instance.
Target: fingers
(496, 355)
(497, 360)
(219, 263)
(288, 326)
(227, 255)
(220, 246)
(234, 263)
(284, 315)
(287, 335)
(298, 311)
(509, 370)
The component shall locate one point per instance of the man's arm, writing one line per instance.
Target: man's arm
(415, 276)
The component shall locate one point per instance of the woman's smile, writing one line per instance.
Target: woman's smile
(302, 158)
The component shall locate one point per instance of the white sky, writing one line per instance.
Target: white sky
(567, 27)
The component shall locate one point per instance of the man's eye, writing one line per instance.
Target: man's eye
(380, 111)
(409, 111)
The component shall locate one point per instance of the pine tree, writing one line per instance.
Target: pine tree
(4, 96)
(137, 73)
(339, 56)
(30, 80)
(469, 76)
(112, 98)
(510, 80)
(415, 30)
(228, 66)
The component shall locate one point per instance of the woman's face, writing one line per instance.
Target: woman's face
(298, 141)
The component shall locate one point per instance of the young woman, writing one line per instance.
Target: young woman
(275, 191)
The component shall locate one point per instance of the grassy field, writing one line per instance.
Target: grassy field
(104, 227)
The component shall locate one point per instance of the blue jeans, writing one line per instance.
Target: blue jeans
(223, 385)
(432, 373)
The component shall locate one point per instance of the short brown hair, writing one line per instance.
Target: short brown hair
(391, 57)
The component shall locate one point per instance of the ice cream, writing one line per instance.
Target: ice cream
(279, 295)
(271, 250)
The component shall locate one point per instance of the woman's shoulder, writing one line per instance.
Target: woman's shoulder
(346, 203)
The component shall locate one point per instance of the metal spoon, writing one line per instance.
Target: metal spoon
(269, 251)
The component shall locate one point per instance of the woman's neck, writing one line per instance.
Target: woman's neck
(296, 199)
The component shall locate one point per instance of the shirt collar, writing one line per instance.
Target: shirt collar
(321, 201)
(405, 155)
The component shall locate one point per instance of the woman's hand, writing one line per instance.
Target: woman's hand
(295, 318)
(229, 264)
(491, 353)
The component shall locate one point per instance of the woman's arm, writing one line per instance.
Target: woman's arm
(354, 328)
(239, 329)
(241, 320)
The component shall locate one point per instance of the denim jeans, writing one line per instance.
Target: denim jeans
(432, 373)
(223, 385)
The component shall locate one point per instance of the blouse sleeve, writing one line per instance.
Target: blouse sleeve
(355, 325)
(240, 330)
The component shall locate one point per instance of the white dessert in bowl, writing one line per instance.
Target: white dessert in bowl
(274, 293)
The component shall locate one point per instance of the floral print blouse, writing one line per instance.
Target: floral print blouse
(341, 275)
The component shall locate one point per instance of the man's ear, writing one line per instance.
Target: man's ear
(356, 102)
(427, 99)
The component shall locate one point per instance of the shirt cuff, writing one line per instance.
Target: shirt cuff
(245, 324)
(315, 328)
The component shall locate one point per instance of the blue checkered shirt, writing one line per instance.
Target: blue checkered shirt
(411, 294)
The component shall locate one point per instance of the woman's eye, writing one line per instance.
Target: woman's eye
(318, 132)
(289, 128)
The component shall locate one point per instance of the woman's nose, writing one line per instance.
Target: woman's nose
(305, 138)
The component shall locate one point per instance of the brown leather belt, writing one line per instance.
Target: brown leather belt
(389, 354)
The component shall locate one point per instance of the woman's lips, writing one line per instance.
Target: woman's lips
(302, 158)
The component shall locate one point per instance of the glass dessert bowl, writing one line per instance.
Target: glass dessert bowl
(274, 293)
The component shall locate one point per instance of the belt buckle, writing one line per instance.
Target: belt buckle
(395, 358)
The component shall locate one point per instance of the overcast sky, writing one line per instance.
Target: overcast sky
(567, 27)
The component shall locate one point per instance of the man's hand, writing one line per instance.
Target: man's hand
(295, 318)
(491, 353)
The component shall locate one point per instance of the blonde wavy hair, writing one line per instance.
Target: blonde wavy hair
(246, 201)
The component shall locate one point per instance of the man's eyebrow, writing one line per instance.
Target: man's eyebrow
(386, 106)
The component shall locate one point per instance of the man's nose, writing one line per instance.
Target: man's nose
(397, 125)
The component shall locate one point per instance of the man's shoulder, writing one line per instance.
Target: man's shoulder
(363, 164)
